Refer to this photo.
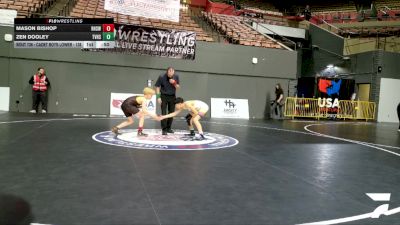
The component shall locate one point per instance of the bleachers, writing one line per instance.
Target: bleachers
(370, 31)
(324, 7)
(26, 7)
(260, 6)
(95, 9)
(386, 10)
(262, 11)
(351, 17)
(337, 17)
(269, 21)
(391, 4)
(234, 28)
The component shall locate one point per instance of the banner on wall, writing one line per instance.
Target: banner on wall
(4, 98)
(229, 108)
(131, 39)
(117, 99)
(330, 91)
(7, 16)
(157, 9)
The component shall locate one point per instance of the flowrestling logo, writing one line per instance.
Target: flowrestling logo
(378, 212)
(156, 141)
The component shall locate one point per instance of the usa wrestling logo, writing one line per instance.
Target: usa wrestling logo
(156, 141)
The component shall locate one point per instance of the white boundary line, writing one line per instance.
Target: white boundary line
(357, 217)
(46, 120)
(372, 145)
(310, 132)
(349, 140)
(225, 123)
(380, 145)
(340, 220)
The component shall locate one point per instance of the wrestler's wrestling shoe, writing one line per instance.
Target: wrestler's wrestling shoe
(141, 134)
(170, 131)
(200, 137)
(191, 134)
(115, 130)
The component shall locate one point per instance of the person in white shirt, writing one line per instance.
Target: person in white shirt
(197, 109)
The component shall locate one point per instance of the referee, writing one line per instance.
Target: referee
(166, 86)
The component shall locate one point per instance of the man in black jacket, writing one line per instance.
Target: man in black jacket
(166, 86)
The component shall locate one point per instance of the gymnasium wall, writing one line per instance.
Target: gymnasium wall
(388, 86)
(326, 48)
(82, 81)
(389, 99)
(365, 67)
(390, 65)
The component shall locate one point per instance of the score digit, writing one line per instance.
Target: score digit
(108, 27)
(108, 36)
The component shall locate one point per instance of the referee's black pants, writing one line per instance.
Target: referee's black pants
(167, 102)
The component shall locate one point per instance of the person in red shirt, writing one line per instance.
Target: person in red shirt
(40, 84)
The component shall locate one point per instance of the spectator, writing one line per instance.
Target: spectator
(279, 101)
(307, 12)
(166, 86)
(353, 96)
(398, 114)
(14, 210)
(40, 84)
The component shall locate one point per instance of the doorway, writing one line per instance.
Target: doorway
(363, 92)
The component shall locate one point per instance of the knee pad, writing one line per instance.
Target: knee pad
(188, 117)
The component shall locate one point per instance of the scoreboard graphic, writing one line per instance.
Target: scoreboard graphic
(64, 33)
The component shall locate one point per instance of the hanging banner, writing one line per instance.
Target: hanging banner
(7, 17)
(229, 108)
(139, 40)
(330, 91)
(4, 99)
(157, 9)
